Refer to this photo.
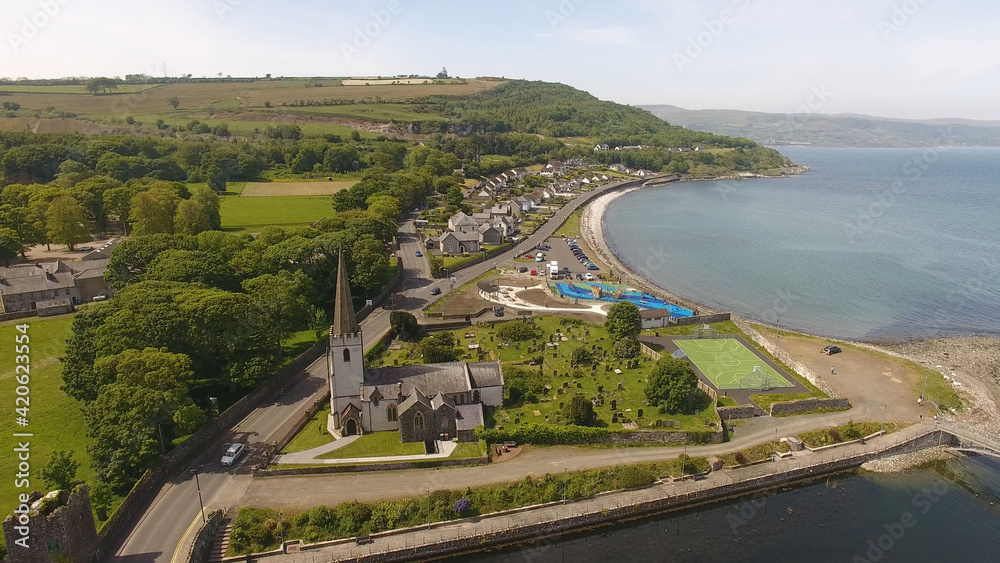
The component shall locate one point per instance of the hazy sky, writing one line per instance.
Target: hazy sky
(897, 58)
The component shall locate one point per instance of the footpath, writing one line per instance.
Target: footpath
(540, 522)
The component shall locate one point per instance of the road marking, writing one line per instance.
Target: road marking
(177, 550)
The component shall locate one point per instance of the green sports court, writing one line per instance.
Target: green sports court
(728, 364)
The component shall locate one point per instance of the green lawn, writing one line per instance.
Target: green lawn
(557, 372)
(377, 444)
(255, 213)
(377, 112)
(53, 417)
(571, 228)
(312, 435)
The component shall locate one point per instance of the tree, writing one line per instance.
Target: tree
(579, 411)
(101, 497)
(403, 324)
(626, 348)
(193, 266)
(517, 331)
(385, 206)
(66, 222)
(174, 101)
(624, 321)
(10, 245)
(281, 300)
(439, 348)
(101, 84)
(443, 74)
(672, 386)
(520, 384)
(581, 357)
(60, 471)
(189, 418)
(116, 204)
(153, 211)
(370, 258)
(191, 218)
(210, 202)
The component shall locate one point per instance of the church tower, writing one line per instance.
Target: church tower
(345, 361)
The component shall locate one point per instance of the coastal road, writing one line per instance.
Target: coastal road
(175, 513)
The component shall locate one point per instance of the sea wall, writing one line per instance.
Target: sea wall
(704, 319)
(339, 468)
(806, 405)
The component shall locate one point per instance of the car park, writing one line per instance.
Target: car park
(436, 291)
(233, 453)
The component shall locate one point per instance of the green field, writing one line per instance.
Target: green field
(73, 89)
(377, 112)
(255, 213)
(376, 444)
(729, 364)
(53, 417)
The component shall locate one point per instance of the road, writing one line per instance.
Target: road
(175, 513)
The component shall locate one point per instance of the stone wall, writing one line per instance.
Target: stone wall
(784, 357)
(318, 470)
(146, 489)
(704, 319)
(68, 532)
(635, 511)
(202, 546)
(742, 411)
(806, 405)
(18, 315)
(661, 437)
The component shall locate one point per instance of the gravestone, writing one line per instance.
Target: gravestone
(517, 421)
(614, 419)
(561, 404)
(614, 404)
(600, 389)
(395, 361)
(640, 413)
(621, 387)
(555, 373)
(579, 385)
(565, 385)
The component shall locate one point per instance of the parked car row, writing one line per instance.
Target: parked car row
(580, 255)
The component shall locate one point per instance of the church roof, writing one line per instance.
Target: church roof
(414, 398)
(429, 378)
(344, 321)
(469, 416)
(485, 374)
(442, 400)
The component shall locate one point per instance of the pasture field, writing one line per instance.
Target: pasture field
(254, 213)
(377, 112)
(277, 189)
(54, 418)
(73, 89)
(384, 81)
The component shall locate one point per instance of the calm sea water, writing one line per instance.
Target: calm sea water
(946, 512)
(871, 244)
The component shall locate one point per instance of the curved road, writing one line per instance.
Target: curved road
(175, 513)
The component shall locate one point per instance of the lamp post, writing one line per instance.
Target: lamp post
(565, 482)
(883, 419)
(924, 390)
(281, 530)
(200, 501)
(163, 447)
(428, 509)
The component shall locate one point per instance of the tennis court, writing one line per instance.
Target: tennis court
(731, 365)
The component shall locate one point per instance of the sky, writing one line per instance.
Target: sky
(913, 59)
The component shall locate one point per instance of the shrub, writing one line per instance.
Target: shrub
(582, 357)
(462, 506)
(543, 435)
(517, 331)
(522, 385)
(579, 410)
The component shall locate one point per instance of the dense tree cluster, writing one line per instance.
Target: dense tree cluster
(673, 386)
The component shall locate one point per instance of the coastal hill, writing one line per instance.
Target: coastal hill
(838, 130)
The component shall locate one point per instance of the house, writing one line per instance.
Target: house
(505, 208)
(525, 203)
(23, 287)
(89, 278)
(489, 234)
(554, 168)
(602, 147)
(453, 242)
(655, 318)
(423, 402)
(462, 223)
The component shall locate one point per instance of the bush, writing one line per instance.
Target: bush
(543, 435)
(582, 357)
(462, 506)
(403, 324)
(579, 410)
(517, 331)
(522, 385)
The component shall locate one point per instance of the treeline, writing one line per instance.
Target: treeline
(557, 110)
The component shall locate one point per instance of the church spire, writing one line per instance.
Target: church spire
(343, 308)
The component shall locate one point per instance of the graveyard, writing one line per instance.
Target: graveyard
(541, 369)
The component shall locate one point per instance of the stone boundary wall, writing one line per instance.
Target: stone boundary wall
(784, 357)
(742, 411)
(704, 319)
(200, 549)
(146, 489)
(304, 419)
(491, 254)
(642, 509)
(337, 468)
(805, 405)
(658, 437)
(18, 315)
(390, 287)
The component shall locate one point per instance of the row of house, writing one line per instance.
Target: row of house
(602, 147)
(640, 172)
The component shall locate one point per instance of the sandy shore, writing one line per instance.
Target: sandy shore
(972, 360)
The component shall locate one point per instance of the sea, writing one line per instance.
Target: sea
(870, 244)
(948, 511)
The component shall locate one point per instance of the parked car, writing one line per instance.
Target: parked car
(831, 350)
(592, 266)
(529, 256)
(539, 258)
(534, 272)
(233, 453)
(522, 269)
(101, 297)
(497, 311)
(589, 276)
(86, 248)
(419, 254)
(436, 291)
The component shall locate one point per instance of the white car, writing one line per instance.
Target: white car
(589, 276)
(233, 453)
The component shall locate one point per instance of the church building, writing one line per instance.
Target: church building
(423, 402)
